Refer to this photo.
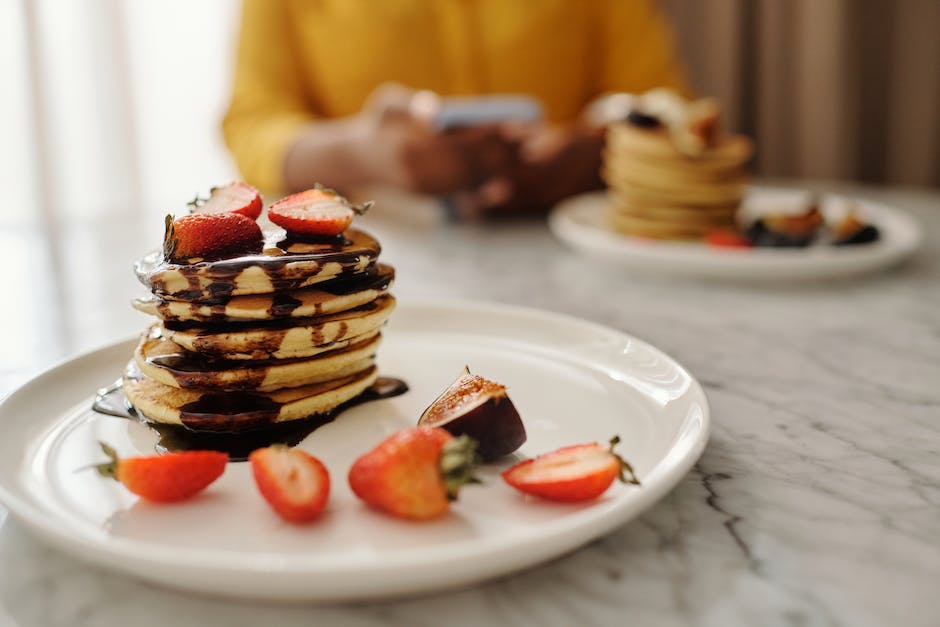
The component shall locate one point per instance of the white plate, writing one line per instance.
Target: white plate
(580, 223)
(572, 381)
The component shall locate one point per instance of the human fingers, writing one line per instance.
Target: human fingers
(388, 98)
(480, 201)
(483, 151)
(395, 102)
(519, 131)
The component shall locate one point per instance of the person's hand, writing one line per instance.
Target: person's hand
(554, 162)
(402, 147)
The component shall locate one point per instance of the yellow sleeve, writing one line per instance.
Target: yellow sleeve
(638, 49)
(268, 105)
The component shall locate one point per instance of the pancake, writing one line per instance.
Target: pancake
(658, 173)
(203, 410)
(727, 151)
(676, 169)
(670, 213)
(654, 229)
(283, 339)
(284, 265)
(249, 337)
(166, 362)
(692, 194)
(325, 298)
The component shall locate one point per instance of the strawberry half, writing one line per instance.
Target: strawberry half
(294, 483)
(572, 473)
(209, 235)
(164, 478)
(414, 473)
(319, 211)
(236, 197)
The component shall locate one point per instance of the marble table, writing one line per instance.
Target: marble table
(816, 502)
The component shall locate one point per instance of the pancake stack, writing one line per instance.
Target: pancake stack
(671, 172)
(257, 339)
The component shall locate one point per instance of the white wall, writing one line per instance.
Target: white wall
(112, 106)
(182, 56)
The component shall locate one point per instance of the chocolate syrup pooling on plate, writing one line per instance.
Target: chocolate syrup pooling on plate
(238, 445)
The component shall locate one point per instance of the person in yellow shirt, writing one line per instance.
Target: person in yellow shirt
(340, 92)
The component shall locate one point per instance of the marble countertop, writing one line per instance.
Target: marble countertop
(816, 501)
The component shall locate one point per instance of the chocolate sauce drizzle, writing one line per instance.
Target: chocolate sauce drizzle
(239, 421)
(360, 249)
(238, 445)
(208, 328)
(195, 370)
(379, 278)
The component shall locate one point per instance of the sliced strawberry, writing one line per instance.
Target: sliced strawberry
(236, 197)
(294, 483)
(727, 239)
(414, 473)
(317, 211)
(571, 473)
(165, 478)
(209, 235)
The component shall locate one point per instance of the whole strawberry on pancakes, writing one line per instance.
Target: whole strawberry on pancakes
(258, 326)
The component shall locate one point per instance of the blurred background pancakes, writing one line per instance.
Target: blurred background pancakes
(671, 171)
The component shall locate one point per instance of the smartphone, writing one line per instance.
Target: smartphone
(464, 111)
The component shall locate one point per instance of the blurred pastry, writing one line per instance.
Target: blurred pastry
(671, 171)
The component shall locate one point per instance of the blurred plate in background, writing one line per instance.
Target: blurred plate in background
(580, 222)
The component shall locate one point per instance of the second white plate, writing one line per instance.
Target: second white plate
(580, 223)
(572, 381)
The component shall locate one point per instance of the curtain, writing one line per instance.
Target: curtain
(112, 107)
(838, 89)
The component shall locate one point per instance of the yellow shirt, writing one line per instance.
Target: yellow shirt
(299, 60)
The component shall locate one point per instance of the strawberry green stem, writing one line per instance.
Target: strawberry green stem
(110, 468)
(358, 208)
(625, 466)
(198, 201)
(458, 461)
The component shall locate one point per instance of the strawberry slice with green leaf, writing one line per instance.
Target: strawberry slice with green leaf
(415, 473)
(294, 483)
(164, 478)
(572, 473)
(236, 197)
(318, 211)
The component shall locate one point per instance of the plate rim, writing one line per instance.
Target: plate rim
(110, 552)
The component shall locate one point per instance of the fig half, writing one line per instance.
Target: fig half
(479, 408)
